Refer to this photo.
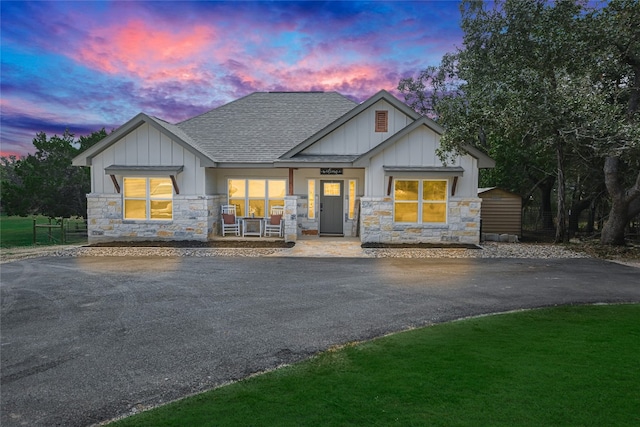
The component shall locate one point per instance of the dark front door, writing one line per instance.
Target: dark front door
(331, 207)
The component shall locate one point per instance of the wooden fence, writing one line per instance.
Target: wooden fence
(61, 230)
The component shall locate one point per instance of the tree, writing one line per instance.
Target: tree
(618, 138)
(45, 182)
(540, 81)
(8, 176)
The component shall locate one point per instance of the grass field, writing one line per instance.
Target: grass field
(575, 366)
(16, 231)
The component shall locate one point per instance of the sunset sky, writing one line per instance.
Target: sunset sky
(87, 65)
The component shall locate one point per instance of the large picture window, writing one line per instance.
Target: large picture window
(256, 197)
(420, 201)
(148, 198)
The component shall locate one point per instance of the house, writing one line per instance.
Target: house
(338, 167)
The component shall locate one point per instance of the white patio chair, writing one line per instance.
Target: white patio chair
(275, 222)
(230, 222)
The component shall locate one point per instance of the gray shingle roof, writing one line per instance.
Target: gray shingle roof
(180, 134)
(264, 125)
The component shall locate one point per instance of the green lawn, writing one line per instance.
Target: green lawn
(577, 366)
(16, 231)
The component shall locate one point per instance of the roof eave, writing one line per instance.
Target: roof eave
(484, 161)
(245, 165)
(302, 165)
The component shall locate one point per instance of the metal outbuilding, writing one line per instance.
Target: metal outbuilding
(501, 211)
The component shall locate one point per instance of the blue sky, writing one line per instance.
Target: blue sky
(83, 66)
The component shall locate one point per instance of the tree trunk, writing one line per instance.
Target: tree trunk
(613, 230)
(623, 203)
(592, 219)
(546, 188)
(574, 216)
(561, 217)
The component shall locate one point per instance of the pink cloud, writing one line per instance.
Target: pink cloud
(138, 48)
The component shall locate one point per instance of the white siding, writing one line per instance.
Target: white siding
(166, 158)
(154, 151)
(358, 135)
(416, 149)
(142, 135)
(147, 146)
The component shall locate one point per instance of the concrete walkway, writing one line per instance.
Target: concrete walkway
(325, 247)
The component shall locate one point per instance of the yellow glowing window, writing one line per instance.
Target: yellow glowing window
(352, 197)
(434, 201)
(420, 201)
(256, 197)
(331, 189)
(276, 193)
(148, 198)
(406, 200)
(311, 188)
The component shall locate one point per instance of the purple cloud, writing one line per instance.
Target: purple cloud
(94, 64)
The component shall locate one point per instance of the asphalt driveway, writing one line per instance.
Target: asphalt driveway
(84, 340)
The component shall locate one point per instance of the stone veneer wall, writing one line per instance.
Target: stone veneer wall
(290, 218)
(377, 226)
(194, 219)
(306, 225)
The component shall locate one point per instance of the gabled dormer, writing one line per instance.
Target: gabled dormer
(358, 131)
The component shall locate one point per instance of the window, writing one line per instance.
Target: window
(406, 201)
(382, 121)
(311, 187)
(256, 197)
(257, 192)
(420, 201)
(434, 201)
(276, 194)
(331, 189)
(352, 198)
(148, 198)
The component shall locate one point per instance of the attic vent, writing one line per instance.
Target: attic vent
(382, 121)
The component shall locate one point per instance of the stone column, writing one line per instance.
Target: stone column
(290, 218)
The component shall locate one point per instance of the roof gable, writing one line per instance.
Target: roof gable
(422, 121)
(382, 95)
(484, 161)
(177, 135)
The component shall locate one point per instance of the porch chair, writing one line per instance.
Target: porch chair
(275, 223)
(230, 222)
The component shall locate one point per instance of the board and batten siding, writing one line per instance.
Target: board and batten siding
(147, 146)
(418, 149)
(501, 212)
(358, 135)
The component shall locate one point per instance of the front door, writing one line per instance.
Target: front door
(331, 207)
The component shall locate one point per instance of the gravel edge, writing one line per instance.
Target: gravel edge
(486, 250)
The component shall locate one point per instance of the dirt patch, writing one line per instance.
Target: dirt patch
(619, 253)
(249, 244)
